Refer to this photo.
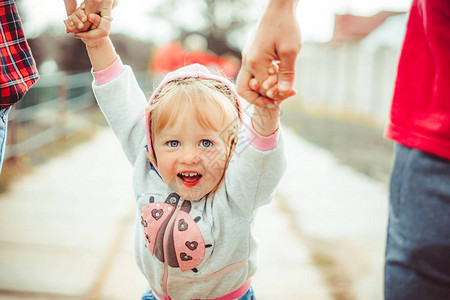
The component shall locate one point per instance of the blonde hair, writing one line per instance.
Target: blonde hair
(213, 105)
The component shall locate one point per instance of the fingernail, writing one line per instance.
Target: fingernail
(80, 25)
(71, 23)
(83, 18)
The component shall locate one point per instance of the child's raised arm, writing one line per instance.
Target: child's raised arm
(98, 44)
(100, 49)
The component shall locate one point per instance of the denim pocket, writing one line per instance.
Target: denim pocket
(397, 178)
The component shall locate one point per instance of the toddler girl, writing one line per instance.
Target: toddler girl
(203, 165)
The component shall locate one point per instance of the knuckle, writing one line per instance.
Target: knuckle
(252, 61)
(288, 50)
(287, 75)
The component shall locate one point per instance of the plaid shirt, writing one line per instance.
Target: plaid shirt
(18, 68)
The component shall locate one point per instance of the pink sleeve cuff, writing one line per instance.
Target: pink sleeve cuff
(261, 142)
(105, 75)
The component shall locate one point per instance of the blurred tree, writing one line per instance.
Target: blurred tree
(222, 22)
(133, 52)
(70, 53)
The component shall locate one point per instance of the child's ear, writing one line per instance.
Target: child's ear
(151, 158)
(233, 140)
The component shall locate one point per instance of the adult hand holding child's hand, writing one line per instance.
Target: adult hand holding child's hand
(100, 7)
(277, 39)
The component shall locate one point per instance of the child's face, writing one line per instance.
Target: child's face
(190, 158)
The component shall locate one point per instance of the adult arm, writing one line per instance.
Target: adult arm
(277, 38)
(115, 88)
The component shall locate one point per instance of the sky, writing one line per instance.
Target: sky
(316, 17)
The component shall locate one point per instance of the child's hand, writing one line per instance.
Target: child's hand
(77, 21)
(269, 88)
(100, 28)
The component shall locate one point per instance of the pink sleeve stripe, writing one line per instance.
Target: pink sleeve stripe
(261, 142)
(105, 75)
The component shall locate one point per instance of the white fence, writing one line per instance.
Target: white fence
(49, 111)
(347, 79)
(57, 106)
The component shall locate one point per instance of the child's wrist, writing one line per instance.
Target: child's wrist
(265, 120)
(101, 53)
(93, 45)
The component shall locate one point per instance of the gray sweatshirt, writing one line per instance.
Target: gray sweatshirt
(202, 249)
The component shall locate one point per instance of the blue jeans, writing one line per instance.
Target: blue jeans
(3, 129)
(148, 295)
(418, 239)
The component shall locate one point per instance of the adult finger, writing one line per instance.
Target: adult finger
(105, 11)
(253, 84)
(71, 6)
(106, 7)
(96, 20)
(286, 73)
(242, 86)
(261, 69)
(99, 6)
(256, 62)
(100, 28)
(92, 35)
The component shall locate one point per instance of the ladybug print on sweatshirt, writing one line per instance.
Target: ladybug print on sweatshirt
(172, 232)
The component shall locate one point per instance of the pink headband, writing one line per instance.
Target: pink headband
(191, 71)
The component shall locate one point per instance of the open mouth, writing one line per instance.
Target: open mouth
(189, 179)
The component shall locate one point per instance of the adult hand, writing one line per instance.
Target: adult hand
(102, 7)
(277, 38)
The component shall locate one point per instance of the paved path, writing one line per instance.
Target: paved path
(67, 233)
(342, 215)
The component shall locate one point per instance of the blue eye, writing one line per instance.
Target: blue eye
(206, 143)
(173, 143)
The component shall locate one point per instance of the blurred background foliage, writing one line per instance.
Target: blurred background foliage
(221, 23)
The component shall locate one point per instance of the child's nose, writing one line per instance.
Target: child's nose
(189, 156)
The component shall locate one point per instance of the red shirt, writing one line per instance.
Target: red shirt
(420, 112)
(18, 69)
